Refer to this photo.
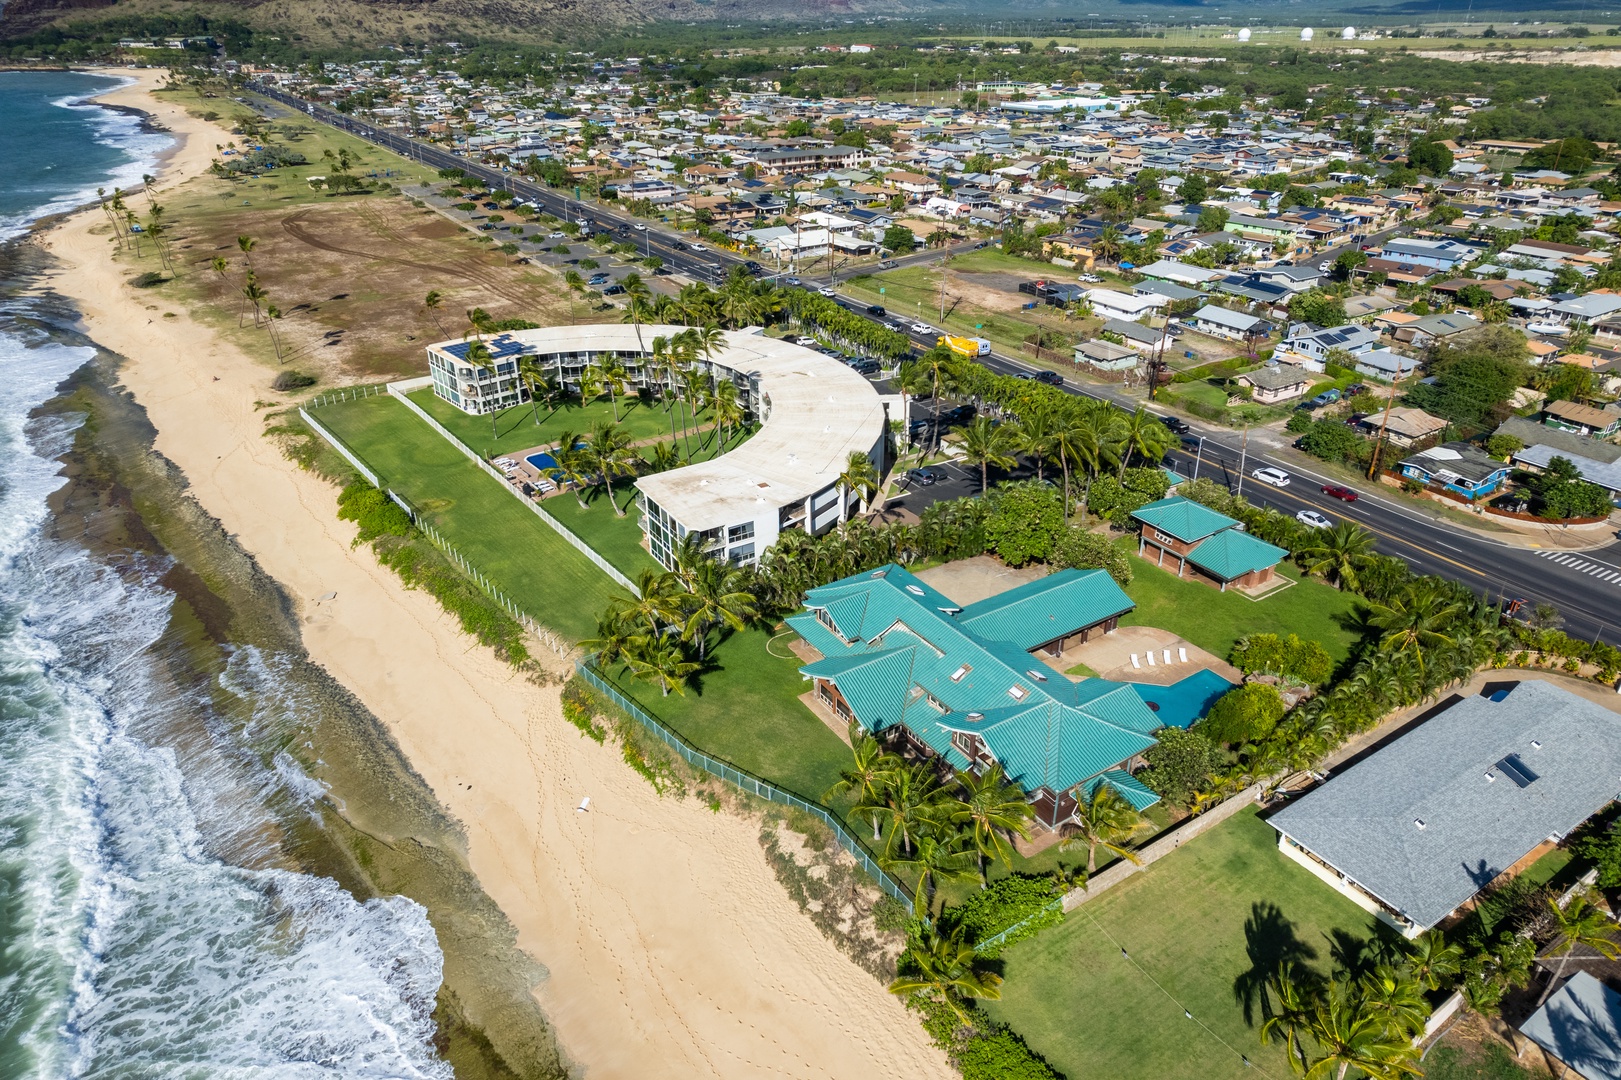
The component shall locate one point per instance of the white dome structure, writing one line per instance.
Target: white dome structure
(1306, 34)
(1244, 34)
(1348, 34)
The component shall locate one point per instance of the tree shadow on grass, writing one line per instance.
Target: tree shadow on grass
(1271, 943)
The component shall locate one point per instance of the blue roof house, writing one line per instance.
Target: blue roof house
(959, 684)
(1458, 467)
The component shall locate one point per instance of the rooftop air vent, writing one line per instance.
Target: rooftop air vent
(1036, 675)
(1017, 692)
(1419, 822)
(1536, 744)
(976, 716)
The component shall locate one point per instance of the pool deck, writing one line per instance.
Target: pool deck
(1110, 656)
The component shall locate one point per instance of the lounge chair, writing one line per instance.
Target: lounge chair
(1134, 662)
(1150, 658)
(1182, 654)
(1167, 656)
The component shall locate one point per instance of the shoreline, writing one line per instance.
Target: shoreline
(673, 950)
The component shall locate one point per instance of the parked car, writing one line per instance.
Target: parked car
(1327, 397)
(924, 477)
(1091, 279)
(1322, 267)
(554, 236)
(1269, 475)
(597, 279)
(1173, 425)
(875, 309)
(1313, 520)
(613, 290)
(982, 244)
(1344, 494)
(863, 365)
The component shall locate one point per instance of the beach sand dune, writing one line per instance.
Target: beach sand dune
(672, 950)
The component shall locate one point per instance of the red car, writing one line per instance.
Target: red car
(1341, 493)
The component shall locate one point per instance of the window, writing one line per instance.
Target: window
(1161, 538)
(744, 531)
(1017, 692)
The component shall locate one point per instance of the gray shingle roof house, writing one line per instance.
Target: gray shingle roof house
(1417, 829)
(1580, 1026)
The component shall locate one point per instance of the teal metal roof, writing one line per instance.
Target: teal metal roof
(1041, 610)
(1134, 791)
(1174, 477)
(1232, 554)
(905, 655)
(1182, 518)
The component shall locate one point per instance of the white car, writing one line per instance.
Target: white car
(1313, 519)
(554, 236)
(699, 247)
(825, 291)
(639, 227)
(922, 329)
(1322, 267)
(1269, 475)
(1091, 279)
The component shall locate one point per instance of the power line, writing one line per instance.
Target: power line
(1187, 1012)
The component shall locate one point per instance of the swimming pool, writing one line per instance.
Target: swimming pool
(542, 462)
(1185, 701)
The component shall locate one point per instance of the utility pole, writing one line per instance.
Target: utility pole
(1243, 457)
(1379, 443)
(1199, 459)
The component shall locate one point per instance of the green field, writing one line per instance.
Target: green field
(1215, 620)
(521, 554)
(617, 539)
(515, 428)
(1199, 926)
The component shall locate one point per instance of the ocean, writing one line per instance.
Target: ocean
(200, 867)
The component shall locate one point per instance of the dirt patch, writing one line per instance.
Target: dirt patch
(350, 277)
(1583, 58)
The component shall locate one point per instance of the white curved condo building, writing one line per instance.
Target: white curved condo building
(813, 413)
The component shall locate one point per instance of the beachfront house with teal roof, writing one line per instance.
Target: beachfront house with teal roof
(959, 683)
(1200, 543)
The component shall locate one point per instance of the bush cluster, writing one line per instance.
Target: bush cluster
(1005, 903)
(1288, 658)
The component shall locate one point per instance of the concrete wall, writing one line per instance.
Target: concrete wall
(1111, 876)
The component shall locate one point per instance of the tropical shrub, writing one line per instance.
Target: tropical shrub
(1286, 657)
(1005, 903)
(1180, 764)
(1024, 522)
(1243, 714)
(1081, 549)
(372, 510)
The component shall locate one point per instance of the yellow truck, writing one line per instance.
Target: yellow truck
(971, 347)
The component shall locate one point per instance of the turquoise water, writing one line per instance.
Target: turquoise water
(56, 148)
(1186, 701)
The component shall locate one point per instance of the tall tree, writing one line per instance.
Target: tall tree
(991, 808)
(1340, 552)
(869, 771)
(611, 455)
(946, 968)
(859, 477)
(985, 443)
(1579, 924)
(1103, 819)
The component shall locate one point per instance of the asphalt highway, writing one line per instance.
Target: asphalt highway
(1584, 586)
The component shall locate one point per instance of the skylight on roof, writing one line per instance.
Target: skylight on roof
(1036, 675)
(1516, 770)
(1017, 692)
(914, 590)
(957, 676)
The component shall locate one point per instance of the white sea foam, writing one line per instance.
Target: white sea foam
(135, 950)
(119, 130)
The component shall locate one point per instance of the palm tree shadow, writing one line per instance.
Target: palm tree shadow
(1270, 942)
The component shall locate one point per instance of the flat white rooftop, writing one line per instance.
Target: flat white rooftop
(817, 412)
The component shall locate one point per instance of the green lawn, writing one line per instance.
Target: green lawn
(747, 710)
(515, 429)
(617, 539)
(1215, 620)
(1202, 923)
(521, 554)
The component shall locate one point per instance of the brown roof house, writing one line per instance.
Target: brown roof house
(1405, 427)
(1276, 382)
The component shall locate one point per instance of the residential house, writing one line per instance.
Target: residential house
(939, 680)
(1458, 467)
(1204, 544)
(1225, 323)
(1116, 305)
(1135, 335)
(1294, 279)
(1275, 382)
(1403, 426)
(1428, 329)
(1107, 356)
(1310, 348)
(1445, 255)
(1596, 461)
(1579, 1027)
(1420, 827)
(1179, 272)
(1178, 298)
(1581, 310)
(1272, 229)
(1583, 419)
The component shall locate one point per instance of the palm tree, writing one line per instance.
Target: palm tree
(1108, 244)
(1340, 552)
(246, 244)
(718, 594)
(1579, 922)
(869, 772)
(1289, 1013)
(1103, 820)
(1094, 436)
(571, 465)
(478, 354)
(1033, 436)
(611, 455)
(659, 660)
(946, 967)
(1416, 619)
(909, 802)
(728, 411)
(534, 376)
(1433, 960)
(636, 295)
(1351, 1032)
(614, 636)
(431, 302)
(935, 858)
(1141, 432)
(657, 601)
(1396, 994)
(858, 476)
(991, 808)
(609, 373)
(985, 443)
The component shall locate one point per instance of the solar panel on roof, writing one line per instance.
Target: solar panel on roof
(1517, 770)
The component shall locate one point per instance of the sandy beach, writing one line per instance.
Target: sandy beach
(672, 949)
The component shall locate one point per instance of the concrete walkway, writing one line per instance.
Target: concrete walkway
(1110, 656)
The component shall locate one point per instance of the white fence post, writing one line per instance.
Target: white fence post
(332, 440)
